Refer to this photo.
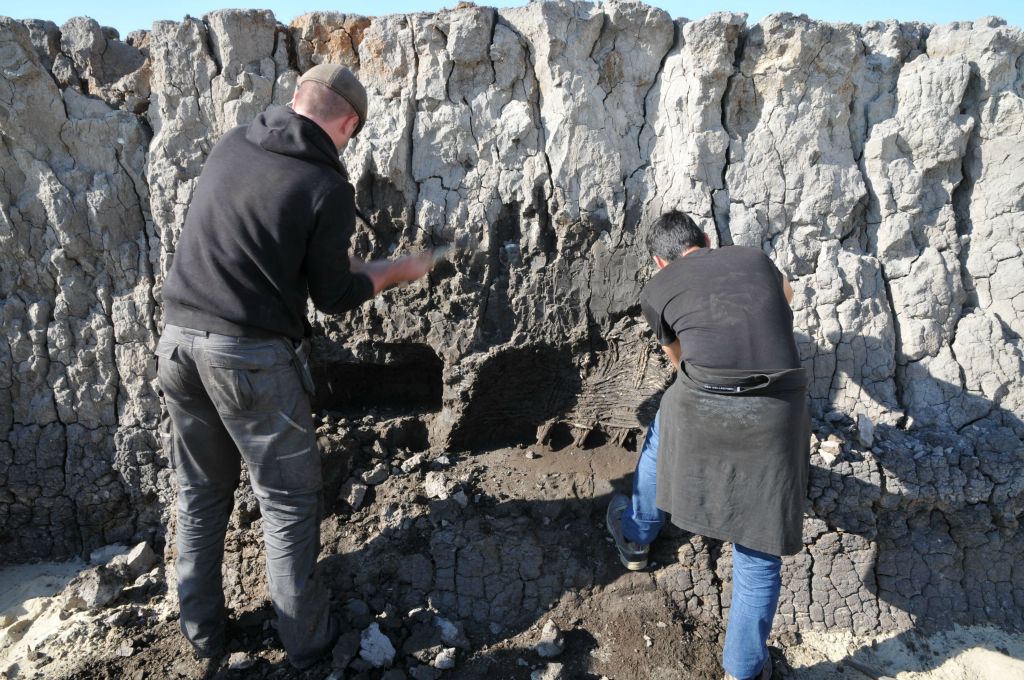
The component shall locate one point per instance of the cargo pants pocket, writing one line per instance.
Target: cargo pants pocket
(246, 380)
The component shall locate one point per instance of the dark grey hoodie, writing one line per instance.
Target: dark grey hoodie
(269, 223)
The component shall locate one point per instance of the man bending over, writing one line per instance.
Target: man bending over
(727, 455)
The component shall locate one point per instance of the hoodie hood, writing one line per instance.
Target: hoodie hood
(280, 130)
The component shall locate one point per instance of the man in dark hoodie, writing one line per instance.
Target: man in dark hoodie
(269, 225)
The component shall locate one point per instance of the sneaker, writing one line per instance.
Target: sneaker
(633, 555)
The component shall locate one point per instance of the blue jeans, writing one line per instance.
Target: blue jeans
(642, 520)
(756, 576)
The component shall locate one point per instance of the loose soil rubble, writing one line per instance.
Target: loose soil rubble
(492, 564)
(528, 526)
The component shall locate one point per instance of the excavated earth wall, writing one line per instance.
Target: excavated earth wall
(881, 166)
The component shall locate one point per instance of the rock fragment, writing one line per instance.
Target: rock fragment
(551, 642)
(865, 430)
(552, 671)
(93, 588)
(353, 493)
(412, 462)
(831, 449)
(135, 562)
(436, 485)
(445, 659)
(377, 475)
(451, 633)
(358, 613)
(345, 649)
(375, 648)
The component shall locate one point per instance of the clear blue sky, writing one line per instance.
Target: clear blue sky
(127, 16)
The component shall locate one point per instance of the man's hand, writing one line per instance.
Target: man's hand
(387, 273)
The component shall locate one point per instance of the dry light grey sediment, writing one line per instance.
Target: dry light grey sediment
(881, 166)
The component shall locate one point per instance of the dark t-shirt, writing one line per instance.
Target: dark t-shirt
(726, 306)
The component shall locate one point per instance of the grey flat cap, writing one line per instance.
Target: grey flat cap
(344, 83)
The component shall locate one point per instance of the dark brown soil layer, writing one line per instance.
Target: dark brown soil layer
(519, 540)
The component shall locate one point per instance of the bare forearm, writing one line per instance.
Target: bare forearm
(386, 273)
(674, 353)
(380, 273)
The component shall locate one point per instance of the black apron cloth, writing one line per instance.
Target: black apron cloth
(733, 455)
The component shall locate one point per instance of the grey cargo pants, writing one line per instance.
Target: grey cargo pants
(230, 397)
